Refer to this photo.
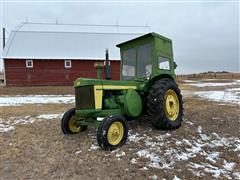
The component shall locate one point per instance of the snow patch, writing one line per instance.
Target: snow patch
(228, 96)
(178, 143)
(9, 123)
(36, 99)
(237, 175)
(153, 177)
(189, 122)
(49, 116)
(147, 154)
(158, 154)
(133, 161)
(214, 170)
(212, 156)
(144, 168)
(5, 128)
(78, 152)
(189, 81)
(154, 159)
(228, 166)
(215, 84)
(199, 129)
(134, 137)
(176, 178)
(120, 154)
(93, 147)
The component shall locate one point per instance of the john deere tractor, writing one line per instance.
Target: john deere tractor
(147, 87)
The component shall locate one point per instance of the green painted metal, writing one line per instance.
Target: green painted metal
(117, 97)
(92, 122)
(96, 113)
(88, 81)
(132, 103)
(162, 47)
(111, 103)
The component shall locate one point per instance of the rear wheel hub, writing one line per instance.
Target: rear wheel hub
(171, 105)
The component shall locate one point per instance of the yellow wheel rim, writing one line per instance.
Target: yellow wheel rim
(115, 133)
(171, 105)
(72, 125)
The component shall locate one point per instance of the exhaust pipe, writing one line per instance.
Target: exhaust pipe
(107, 67)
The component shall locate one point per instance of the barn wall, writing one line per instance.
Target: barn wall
(51, 72)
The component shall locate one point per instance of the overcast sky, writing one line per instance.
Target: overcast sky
(205, 34)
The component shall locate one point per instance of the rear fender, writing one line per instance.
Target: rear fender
(148, 85)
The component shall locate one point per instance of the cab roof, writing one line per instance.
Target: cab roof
(152, 34)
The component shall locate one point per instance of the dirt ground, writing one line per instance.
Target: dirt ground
(207, 145)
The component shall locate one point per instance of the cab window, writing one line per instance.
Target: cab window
(129, 64)
(163, 63)
(144, 60)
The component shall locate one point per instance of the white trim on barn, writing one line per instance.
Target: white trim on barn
(68, 64)
(29, 63)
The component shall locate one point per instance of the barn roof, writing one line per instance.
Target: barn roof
(30, 43)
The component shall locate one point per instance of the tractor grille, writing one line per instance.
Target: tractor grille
(84, 97)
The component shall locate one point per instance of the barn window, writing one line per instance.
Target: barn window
(29, 63)
(68, 64)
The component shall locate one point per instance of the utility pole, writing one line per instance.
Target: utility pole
(4, 37)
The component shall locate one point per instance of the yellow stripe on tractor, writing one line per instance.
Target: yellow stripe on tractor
(98, 92)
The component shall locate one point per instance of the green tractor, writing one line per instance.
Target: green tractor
(147, 87)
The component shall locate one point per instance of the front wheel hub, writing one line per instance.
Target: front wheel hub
(72, 125)
(115, 133)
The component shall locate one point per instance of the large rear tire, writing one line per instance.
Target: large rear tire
(165, 105)
(68, 123)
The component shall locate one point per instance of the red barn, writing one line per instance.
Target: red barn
(58, 58)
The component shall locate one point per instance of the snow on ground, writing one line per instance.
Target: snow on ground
(9, 124)
(154, 177)
(201, 83)
(161, 154)
(176, 178)
(120, 154)
(5, 127)
(215, 84)
(228, 95)
(93, 147)
(35, 99)
(189, 81)
(49, 116)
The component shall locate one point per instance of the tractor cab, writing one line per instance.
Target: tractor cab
(146, 57)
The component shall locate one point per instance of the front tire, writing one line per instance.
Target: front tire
(112, 132)
(165, 105)
(68, 123)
